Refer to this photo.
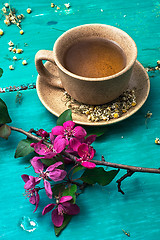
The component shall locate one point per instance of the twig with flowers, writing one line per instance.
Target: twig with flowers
(64, 165)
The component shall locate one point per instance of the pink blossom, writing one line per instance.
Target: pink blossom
(50, 173)
(90, 139)
(69, 131)
(86, 153)
(75, 143)
(30, 191)
(42, 133)
(59, 145)
(63, 206)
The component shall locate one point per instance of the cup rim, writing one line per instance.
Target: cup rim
(124, 70)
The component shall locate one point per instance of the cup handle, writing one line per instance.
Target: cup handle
(49, 77)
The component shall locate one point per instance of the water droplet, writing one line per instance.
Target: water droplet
(28, 224)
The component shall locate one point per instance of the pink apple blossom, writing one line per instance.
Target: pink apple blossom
(62, 207)
(50, 173)
(86, 153)
(30, 191)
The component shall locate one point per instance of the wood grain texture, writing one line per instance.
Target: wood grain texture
(104, 211)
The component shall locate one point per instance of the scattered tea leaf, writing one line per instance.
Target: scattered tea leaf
(5, 131)
(98, 175)
(4, 115)
(65, 116)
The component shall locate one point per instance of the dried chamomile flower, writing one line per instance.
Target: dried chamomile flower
(29, 10)
(4, 10)
(15, 58)
(133, 103)
(6, 5)
(115, 115)
(19, 50)
(21, 16)
(1, 32)
(67, 5)
(156, 68)
(10, 49)
(103, 112)
(157, 141)
(7, 22)
(52, 5)
(14, 50)
(21, 32)
(11, 67)
(24, 62)
(11, 43)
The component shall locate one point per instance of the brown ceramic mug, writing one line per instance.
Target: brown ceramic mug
(88, 90)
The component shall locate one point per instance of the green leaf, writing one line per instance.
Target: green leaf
(48, 162)
(78, 168)
(4, 115)
(58, 189)
(67, 219)
(65, 116)
(24, 148)
(5, 131)
(1, 72)
(98, 175)
(71, 191)
(59, 158)
(95, 131)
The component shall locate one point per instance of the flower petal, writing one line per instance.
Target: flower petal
(42, 133)
(89, 165)
(65, 199)
(37, 165)
(53, 166)
(56, 218)
(31, 183)
(90, 139)
(91, 152)
(48, 189)
(59, 144)
(48, 208)
(32, 199)
(41, 148)
(70, 208)
(74, 143)
(37, 200)
(25, 177)
(57, 175)
(83, 150)
(79, 132)
(50, 155)
(52, 137)
(68, 125)
(58, 130)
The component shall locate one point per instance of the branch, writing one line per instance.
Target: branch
(97, 162)
(128, 174)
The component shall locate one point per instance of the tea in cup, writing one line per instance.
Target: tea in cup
(94, 63)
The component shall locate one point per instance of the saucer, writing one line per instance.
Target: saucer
(52, 98)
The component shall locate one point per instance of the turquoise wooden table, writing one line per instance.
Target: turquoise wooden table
(105, 213)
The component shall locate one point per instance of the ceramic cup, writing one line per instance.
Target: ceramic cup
(93, 91)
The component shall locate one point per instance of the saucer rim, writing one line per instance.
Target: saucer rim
(101, 123)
